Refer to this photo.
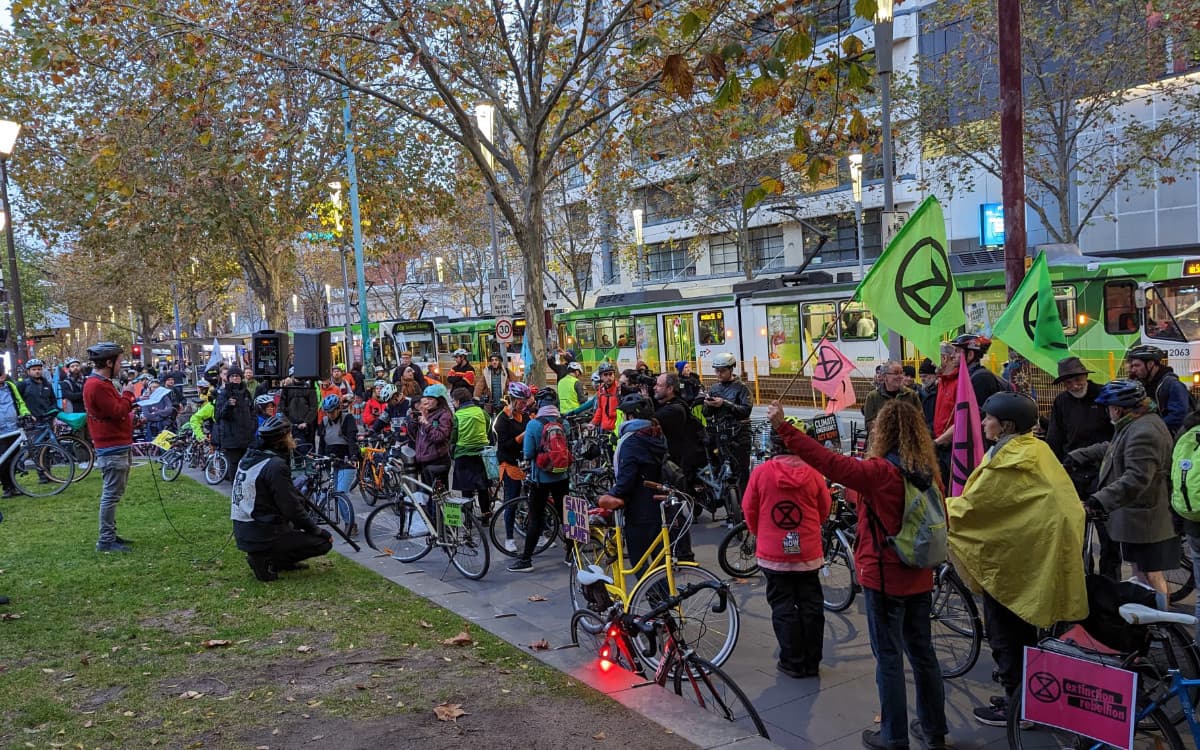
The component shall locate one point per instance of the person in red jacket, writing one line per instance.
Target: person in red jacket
(110, 422)
(608, 396)
(897, 596)
(785, 502)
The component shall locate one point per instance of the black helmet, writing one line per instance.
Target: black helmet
(546, 397)
(1126, 393)
(973, 342)
(274, 429)
(1146, 353)
(104, 351)
(604, 367)
(636, 406)
(1017, 408)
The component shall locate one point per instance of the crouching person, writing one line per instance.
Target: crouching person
(269, 520)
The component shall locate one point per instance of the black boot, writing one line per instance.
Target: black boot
(262, 567)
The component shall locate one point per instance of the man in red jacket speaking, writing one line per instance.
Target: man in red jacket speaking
(110, 422)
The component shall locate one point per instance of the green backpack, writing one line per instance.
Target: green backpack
(1185, 475)
(921, 541)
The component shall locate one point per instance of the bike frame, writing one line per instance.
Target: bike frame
(19, 443)
(1178, 689)
(410, 485)
(657, 557)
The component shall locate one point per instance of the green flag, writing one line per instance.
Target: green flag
(1031, 324)
(910, 288)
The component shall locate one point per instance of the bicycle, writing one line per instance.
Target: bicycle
(839, 578)
(370, 478)
(717, 486)
(1154, 728)
(59, 428)
(956, 627)
(425, 517)
(317, 487)
(692, 677)
(185, 451)
(36, 470)
(591, 484)
(605, 557)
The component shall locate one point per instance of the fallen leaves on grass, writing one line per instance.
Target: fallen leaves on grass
(191, 695)
(599, 736)
(215, 643)
(304, 649)
(537, 598)
(425, 624)
(462, 639)
(449, 711)
(10, 616)
(542, 645)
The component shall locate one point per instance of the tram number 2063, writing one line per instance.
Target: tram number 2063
(1183, 352)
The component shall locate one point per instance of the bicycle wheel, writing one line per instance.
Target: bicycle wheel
(341, 511)
(1153, 732)
(956, 628)
(397, 529)
(712, 635)
(215, 467)
(172, 465)
(470, 553)
(1177, 652)
(85, 457)
(41, 472)
(703, 683)
(519, 507)
(1181, 581)
(837, 578)
(736, 555)
(599, 550)
(364, 479)
(588, 632)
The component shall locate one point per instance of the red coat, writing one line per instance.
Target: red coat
(371, 411)
(109, 412)
(880, 486)
(786, 495)
(606, 407)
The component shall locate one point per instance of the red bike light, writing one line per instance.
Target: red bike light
(612, 632)
(605, 665)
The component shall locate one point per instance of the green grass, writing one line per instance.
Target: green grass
(103, 645)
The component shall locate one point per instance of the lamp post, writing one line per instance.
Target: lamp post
(485, 115)
(8, 139)
(855, 158)
(335, 196)
(883, 65)
(637, 238)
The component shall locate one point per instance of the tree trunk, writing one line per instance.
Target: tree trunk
(532, 242)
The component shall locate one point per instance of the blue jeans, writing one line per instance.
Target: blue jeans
(115, 471)
(512, 489)
(345, 478)
(900, 625)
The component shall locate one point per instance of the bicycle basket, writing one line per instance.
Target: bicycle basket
(491, 463)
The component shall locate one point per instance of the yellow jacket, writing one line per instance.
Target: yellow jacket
(1017, 533)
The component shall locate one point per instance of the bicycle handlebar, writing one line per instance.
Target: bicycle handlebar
(644, 623)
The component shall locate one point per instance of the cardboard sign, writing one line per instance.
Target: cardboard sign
(1081, 696)
(452, 514)
(825, 428)
(575, 518)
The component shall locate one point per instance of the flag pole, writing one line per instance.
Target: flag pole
(816, 348)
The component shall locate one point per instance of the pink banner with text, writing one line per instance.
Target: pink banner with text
(1081, 696)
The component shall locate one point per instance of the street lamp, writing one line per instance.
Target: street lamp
(855, 158)
(485, 116)
(883, 65)
(335, 197)
(8, 140)
(637, 238)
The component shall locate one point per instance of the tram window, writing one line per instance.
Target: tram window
(624, 332)
(858, 323)
(1064, 298)
(585, 334)
(712, 327)
(1120, 309)
(818, 318)
(1173, 310)
(604, 334)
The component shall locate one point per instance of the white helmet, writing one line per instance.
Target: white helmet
(461, 353)
(386, 391)
(724, 359)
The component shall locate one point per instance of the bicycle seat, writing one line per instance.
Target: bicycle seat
(592, 574)
(1140, 614)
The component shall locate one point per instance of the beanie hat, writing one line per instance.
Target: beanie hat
(680, 365)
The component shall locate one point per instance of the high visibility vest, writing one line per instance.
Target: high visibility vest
(568, 399)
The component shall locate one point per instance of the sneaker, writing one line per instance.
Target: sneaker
(937, 743)
(262, 567)
(795, 674)
(113, 546)
(521, 566)
(545, 542)
(123, 540)
(873, 740)
(510, 545)
(997, 716)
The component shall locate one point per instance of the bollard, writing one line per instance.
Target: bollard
(757, 396)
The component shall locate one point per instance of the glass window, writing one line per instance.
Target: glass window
(604, 334)
(842, 248)
(712, 327)
(818, 318)
(858, 324)
(666, 260)
(1120, 309)
(1173, 310)
(766, 243)
(585, 334)
(624, 331)
(1064, 297)
(658, 205)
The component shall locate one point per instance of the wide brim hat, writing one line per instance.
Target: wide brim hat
(1069, 368)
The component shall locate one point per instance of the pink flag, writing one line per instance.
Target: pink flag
(968, 435)
(831, 368)
(843, 398)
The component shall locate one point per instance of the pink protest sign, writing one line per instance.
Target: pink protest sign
(1080, 696)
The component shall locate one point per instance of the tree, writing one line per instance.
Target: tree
(1089, 68)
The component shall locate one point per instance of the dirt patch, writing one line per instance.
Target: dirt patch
(101, 698)
(203, 684)
(178, 622)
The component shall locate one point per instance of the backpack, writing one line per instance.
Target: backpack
(921, 540)
(1185, 475)
(553, 452)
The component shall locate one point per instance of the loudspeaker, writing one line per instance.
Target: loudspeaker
(270, 350)
(313, 358)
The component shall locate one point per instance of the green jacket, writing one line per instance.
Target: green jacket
(196, 422)
(470, 434)
(568, 394)
(22, 410)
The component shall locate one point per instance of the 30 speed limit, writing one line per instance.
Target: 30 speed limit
(504, 330)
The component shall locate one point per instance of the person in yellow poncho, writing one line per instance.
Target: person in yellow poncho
(1016, 533)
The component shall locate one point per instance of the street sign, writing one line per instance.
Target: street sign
(504, 330)
(502, 301)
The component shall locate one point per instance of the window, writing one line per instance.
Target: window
(658, 205)
(604, 334)
(712, 327)
(818, 318)
(1173, 310)
(766, 243)
(585, 334)
(665, 260)
(624, 331)
(577, 221)
(858, 324)
(842, 248)
(1064, 297)
(1120, 309)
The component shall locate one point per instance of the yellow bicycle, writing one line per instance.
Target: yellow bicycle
(601, 580)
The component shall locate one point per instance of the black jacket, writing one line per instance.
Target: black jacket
(738, 404)
(235, 423)
(508, 449)
(300, 404)
(1077, 422)
(72, 391)
(928, 396)
(984, 382)
(265, 503)
(684, 435)
(640, 454)
(39, 396)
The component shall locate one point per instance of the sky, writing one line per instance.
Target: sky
(5, 15)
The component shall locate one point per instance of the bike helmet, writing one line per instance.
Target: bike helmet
(1146, 353)
(724, 359)
(519, 391)
(71, 361)
(574, 367)
(35, 362)
(546, 397)
(235, 371)
(386, 391)
(595, 378)
(1124, 393)
(104, 351)
(203, 385)
(777, 446)
(605, 367)
(636, 406)
(265, 399)
(1017, 408)
(461, 353)
(331, 402)
(437, 390)
(274, 429)
(972, 342)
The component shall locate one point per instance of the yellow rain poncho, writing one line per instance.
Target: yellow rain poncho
(1017, 533)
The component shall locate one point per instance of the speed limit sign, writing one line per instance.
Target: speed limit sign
(504, 330)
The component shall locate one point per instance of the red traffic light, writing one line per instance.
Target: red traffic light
(136, 350)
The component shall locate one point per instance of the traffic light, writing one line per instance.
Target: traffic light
(136, 351)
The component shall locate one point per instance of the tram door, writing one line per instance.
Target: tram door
(679, 338)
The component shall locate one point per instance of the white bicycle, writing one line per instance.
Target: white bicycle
(36, 470)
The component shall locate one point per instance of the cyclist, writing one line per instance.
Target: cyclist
(264, 408)
(606, 398)
(338, 433)
(110, 423)
(892, 387)
(683, 432)
(201, 420)
(12, 413)
(38, 391)
(375, 405)
(509, 427)
(727, 409)
(1019, 491)
(462, 374)
(983, 381)
(690, 387)
(1171, 397)
(269, 521)
(235, 420)
(641, 451)
(546, 483)
(434, 424)
(899, 602)
(785, 504)
(491, 385)
(468, 438)
(570, 390)
(72, 386)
